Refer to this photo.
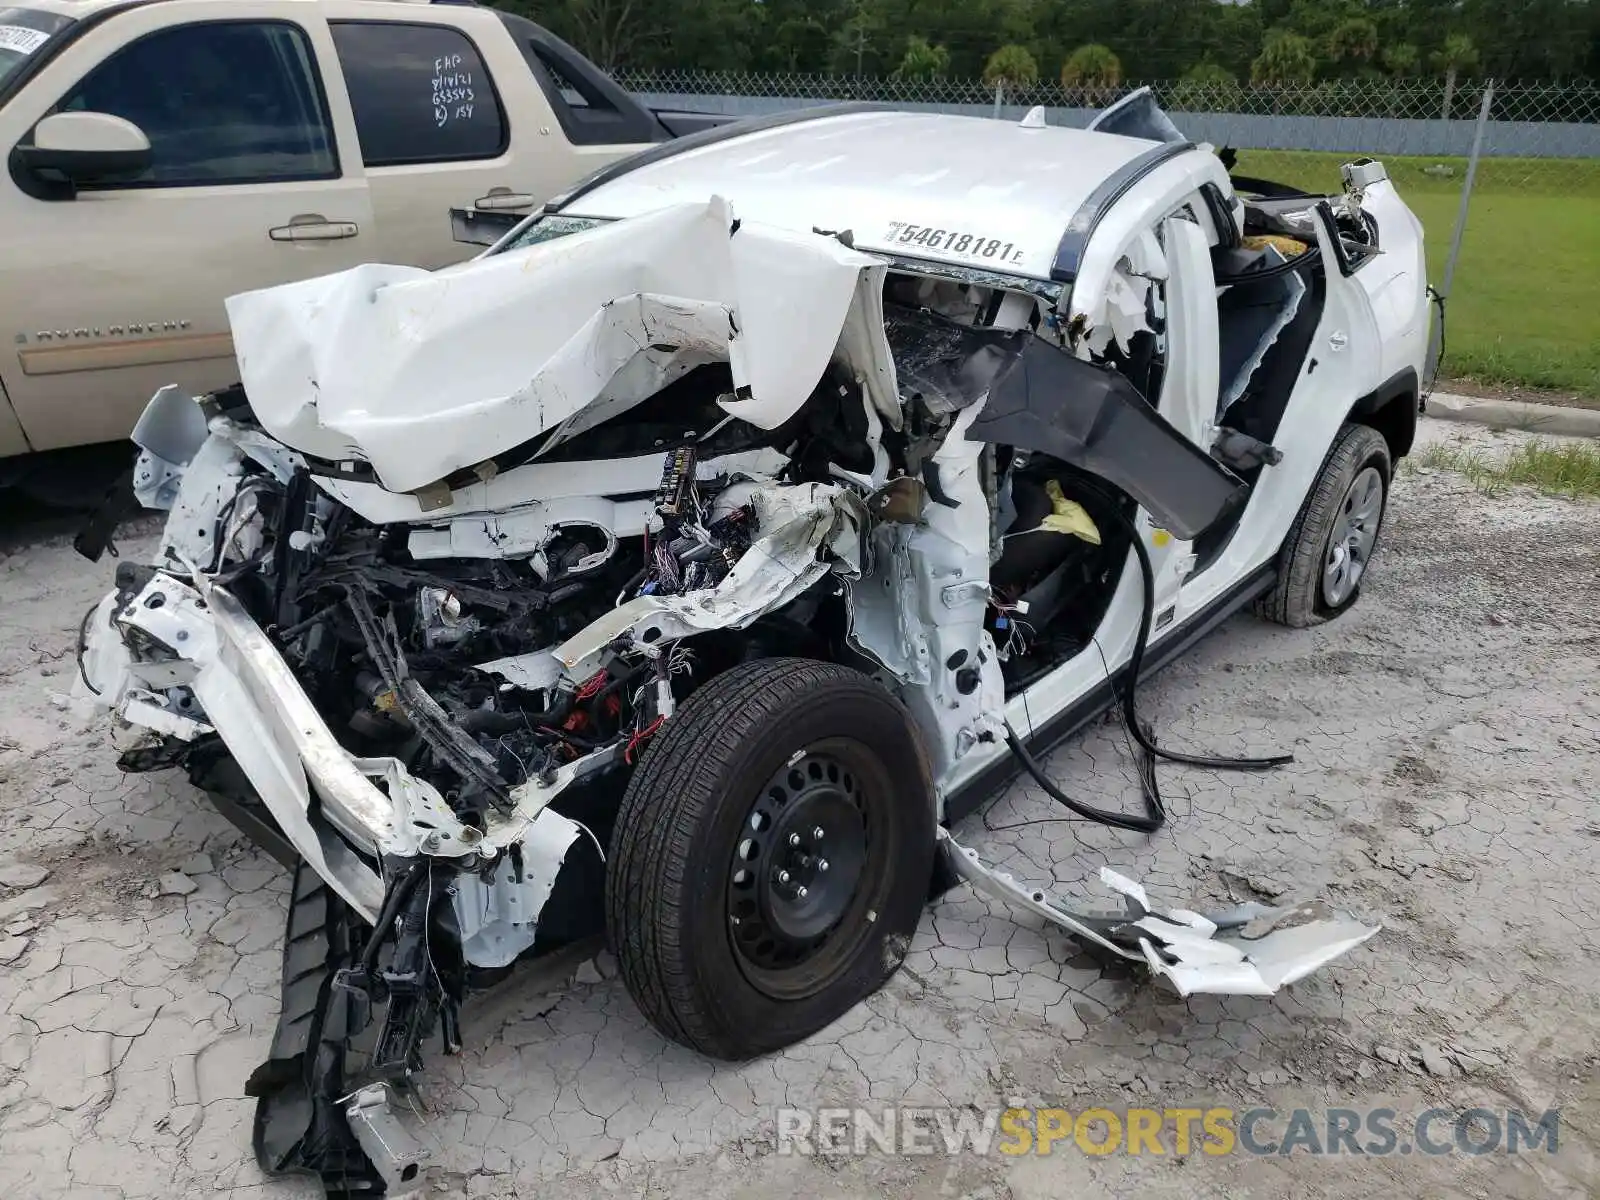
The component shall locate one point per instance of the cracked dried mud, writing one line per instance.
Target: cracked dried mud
(1447, 738)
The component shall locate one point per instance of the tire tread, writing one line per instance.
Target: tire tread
(664, 808)
(1295, 597)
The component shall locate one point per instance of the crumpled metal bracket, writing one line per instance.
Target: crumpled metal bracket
(391, 1147)
(1250, 950)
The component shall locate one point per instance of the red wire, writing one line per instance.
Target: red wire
(633, 742)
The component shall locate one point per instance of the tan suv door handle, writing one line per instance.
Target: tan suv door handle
(312, 227)
(501, 199)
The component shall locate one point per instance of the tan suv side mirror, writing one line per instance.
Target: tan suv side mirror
(84, 147)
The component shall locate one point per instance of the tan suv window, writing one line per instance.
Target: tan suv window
(221, 102)
(420, 93)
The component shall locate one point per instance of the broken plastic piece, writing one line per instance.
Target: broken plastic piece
(1252, 950)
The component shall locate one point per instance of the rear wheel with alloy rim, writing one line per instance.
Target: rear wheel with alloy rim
(1355, 533)
(1329, 549)
(771, 856)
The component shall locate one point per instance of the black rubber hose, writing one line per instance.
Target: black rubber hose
(1130, 715)
(1152, 798)
(83, 645)
(399, 893)
(1131, 672)
(497, 724)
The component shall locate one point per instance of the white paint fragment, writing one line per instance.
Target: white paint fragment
(1252, 951)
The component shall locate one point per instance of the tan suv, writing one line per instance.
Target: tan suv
(164, 155)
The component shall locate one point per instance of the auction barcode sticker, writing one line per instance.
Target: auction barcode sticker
(20, 39)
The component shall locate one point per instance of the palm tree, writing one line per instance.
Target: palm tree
(1205, 87)
(1092, 67)
(1354, 40)
(1401, 58)
(922, 61)
(1457, 54)
(1285, 58)
(1011, 66)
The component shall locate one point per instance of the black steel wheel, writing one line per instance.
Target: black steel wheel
(794, 882)
(771, 856)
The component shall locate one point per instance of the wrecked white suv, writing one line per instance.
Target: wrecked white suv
(686, 564)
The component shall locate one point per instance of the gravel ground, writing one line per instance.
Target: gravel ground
(1446, 732)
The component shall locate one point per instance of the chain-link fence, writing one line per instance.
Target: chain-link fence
(1518, 163)
(1416, 99)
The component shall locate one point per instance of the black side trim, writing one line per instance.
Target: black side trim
(1391, 408)
(1221, 214)
(259, 827)
(609, 116)
(1401, 383)
(1096, 419)
(219, 777)
(993, 778)
(1069, 254)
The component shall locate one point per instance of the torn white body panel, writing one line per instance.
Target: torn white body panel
(1252, 950)
(240, 685)
(499, 918)
(1124, 233)
(808, 530)
(421, 375)
(243, 690)
(1122, 309)
(534, 483)
(922, 605)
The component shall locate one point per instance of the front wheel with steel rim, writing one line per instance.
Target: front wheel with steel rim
(1328, 551)
(771, 856)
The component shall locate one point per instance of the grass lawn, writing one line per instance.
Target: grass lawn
(1559, 468)
(1526, 304)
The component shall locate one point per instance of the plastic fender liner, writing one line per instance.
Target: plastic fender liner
(1095, 419)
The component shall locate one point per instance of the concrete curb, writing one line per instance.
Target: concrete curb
(1516, 414)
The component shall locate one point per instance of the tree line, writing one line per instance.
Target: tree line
(1090, 42)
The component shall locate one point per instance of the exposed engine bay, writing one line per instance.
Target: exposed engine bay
(425, 643)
